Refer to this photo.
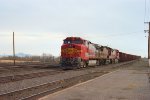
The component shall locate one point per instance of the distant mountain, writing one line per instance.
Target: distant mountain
(22, 54)
(18, 55)
(5, 55)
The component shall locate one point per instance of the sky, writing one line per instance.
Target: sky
(41, 25)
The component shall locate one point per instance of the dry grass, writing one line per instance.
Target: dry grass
(17, 61)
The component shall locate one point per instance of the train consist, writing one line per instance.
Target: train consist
(77, 52)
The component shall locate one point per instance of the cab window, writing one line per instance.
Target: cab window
(73, 41)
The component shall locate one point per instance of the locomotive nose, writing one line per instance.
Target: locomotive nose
(71, 50)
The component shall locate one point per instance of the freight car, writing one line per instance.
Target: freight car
(77, 52)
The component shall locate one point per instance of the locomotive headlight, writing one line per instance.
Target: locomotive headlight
(70, 45)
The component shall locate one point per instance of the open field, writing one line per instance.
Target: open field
(17, 61)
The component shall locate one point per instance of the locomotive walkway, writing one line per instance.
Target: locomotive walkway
(132, 83)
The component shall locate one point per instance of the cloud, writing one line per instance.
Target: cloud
(41, 25)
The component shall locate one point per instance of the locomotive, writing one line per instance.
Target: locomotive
(77, 52)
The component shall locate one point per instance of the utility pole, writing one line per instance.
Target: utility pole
(14, 50)
(44, 57)
(148, 43)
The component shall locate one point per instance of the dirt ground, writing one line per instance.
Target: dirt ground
(126, 83)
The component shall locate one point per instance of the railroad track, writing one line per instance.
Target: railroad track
(14, 78)
(27, 65)
(35, 92)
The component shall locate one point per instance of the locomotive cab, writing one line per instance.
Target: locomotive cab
(74, 52)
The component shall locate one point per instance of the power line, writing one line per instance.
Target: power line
(120, 34)
(116, 35)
